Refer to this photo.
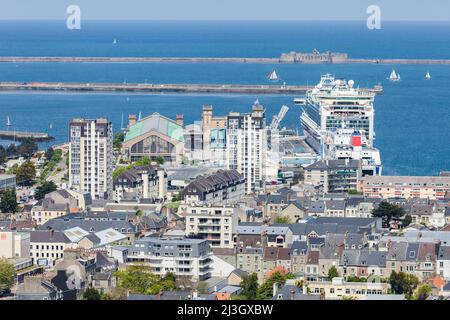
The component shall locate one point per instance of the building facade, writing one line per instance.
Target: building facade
(90, 157)
(334, 176)
(433, 188)
(142, 182)
(213, 223)
(184, 257)
(220, 188)
(246, 146)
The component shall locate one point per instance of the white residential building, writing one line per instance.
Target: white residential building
(246, 146)
(181, 256)
(90, 157)
(213, 223)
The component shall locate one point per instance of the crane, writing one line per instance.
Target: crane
(276, 120)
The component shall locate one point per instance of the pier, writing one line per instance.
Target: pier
(22, 135)
(281, 60)
(160, 88)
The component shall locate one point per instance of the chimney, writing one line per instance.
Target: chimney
(274, 289)
(180, 120)
(132, 119)
(52, 233)
(292, 294)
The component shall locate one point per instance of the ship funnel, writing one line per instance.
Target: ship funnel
(351, 83)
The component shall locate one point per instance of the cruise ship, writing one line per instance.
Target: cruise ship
(335, 104)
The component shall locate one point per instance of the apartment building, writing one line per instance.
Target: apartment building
(142, 182)
(47, 209)
(213, 223)
(7, 181)
(338, 288)
(220, 188)
(47, 246)
(14, 244)
(334, 176)
(246, 146)
(182, 256)
(90, 157)
(433, 188)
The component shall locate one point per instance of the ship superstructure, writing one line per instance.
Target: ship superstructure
(335, 104)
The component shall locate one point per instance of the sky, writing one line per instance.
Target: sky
(398, 10)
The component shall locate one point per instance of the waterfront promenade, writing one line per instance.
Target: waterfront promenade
(158, 88)
(211, 60)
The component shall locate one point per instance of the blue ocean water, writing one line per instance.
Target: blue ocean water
(412, 117)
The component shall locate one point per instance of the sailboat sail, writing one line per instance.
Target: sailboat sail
(273, 75)
(428, 75)
(394, 76)
(8, 122)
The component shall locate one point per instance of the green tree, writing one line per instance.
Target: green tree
(249, 286)
(282, 219)
(8, 201)
(139, 213)
(159, 160)
(119, 137)
(333, 273)
(42, 190)
(3, 155)
(7, 274)
(265, 291)
(11, 151)
(27, 148)
(388, 212)
(402, 283)
(406, 220)
(140, 279)
(25, 173)
(91, 294)
(422, 292)
(49, 153)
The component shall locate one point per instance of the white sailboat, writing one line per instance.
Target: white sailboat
(8, 122)
(394, 76)
(273, 76)
(428, 76)
(115, 41)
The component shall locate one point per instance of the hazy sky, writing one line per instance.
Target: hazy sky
(420, 10)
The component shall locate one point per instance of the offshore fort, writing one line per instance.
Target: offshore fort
(315, 57)
(161, 88)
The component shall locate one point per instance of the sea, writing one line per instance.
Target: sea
(412, 117)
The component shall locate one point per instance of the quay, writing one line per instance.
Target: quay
(160, 88)
(22, 135)
(284, 59)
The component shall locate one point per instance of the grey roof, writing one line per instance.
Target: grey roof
(363, 257)
(93, 238)
(316, 206)
(361, 222)
(397, 251)
(299, 247)
(316, 241)
(239, 272)
(64, 223)
(292, 292)
(215, 181)
(444, 253)
(48, 236)
(335, 204)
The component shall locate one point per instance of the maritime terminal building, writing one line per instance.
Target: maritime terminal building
(154, 136)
